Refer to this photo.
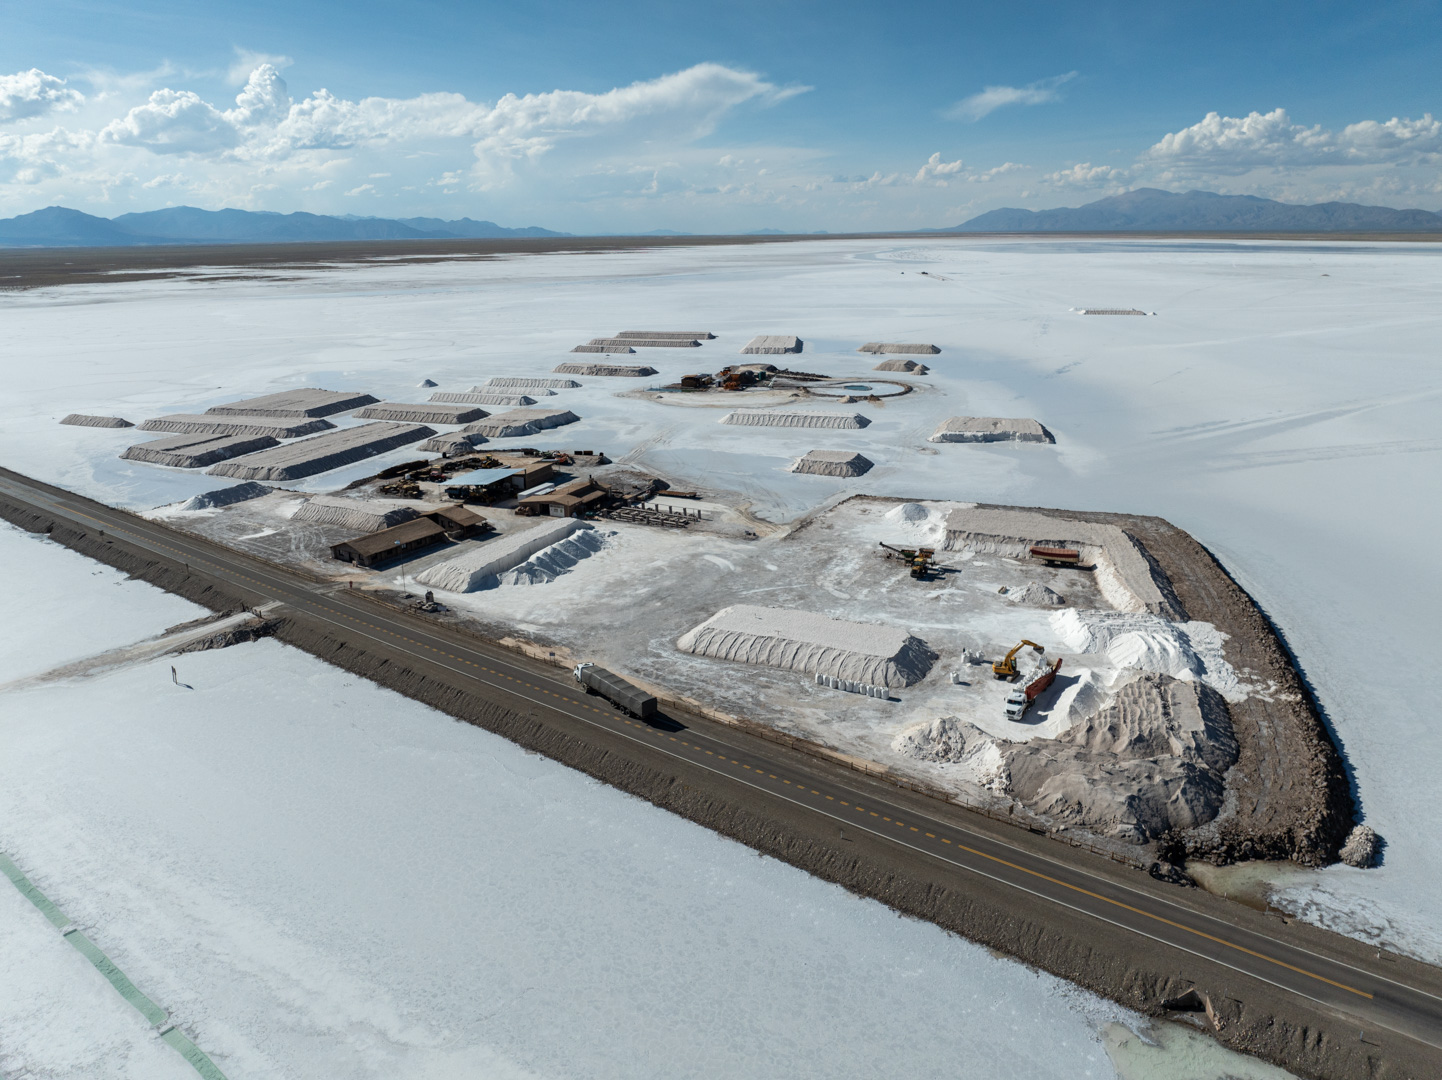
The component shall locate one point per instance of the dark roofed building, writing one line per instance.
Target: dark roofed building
(377, 547)
(569, 500)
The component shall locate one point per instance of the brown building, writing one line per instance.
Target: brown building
(428, 530)
(569, 500)
(390, 543)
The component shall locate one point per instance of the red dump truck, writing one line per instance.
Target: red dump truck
(620, 693)
(1020, 699)
(1054, 556)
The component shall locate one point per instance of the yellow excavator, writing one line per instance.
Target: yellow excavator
(1005, 668)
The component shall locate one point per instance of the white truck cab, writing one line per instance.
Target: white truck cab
(1016, 704)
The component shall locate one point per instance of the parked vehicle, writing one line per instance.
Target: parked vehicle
(628, 698)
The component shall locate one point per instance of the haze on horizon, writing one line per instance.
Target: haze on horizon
(711, 118)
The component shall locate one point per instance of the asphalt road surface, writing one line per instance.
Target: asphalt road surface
(1335, 976)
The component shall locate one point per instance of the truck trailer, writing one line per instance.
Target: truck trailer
(1020, 699)
(620, 693)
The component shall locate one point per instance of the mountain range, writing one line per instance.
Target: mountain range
(57, 226)
(1153, 210)
(1139, 211)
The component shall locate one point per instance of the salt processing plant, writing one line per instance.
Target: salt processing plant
(1040, 663)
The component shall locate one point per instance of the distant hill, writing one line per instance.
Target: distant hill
(57, 226)
(1152, 210)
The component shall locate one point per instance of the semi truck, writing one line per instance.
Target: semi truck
(625, 696)
(1020, 699)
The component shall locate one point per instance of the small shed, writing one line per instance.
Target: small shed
(389, 543)
(569, 500)
(458, 522)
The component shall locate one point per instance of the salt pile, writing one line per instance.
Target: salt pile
(1188, 651)
(1126, 575)
(520, 422)
(354, 514)
(551, 562)
(277, 427)
(451, 443)
(632, 370)
(306, 402)
(1111, 311)
(426, 384)
(668, 335)
(482, 565)
(473, 397)
(422, 414)
(963, 429)
(898, 364)
(196, 451)
(832, 463)
(321, 453)
(809, 642)
(478, 396)
(943, 740)
(917, 524)
(772, 418)
(625, 344)
(76, 419)
(1036, 594)
(772, 344)
(211, 500)
(1151, 761)
(524, 383)
(880, 347)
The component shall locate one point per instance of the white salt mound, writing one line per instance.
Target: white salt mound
(520, 422)
(225, 496)
(551, 562)
(84, 420)
(833, 463)
(1189, 651)
(481, 566)
(772, 418)
(880, 347)
(772, 344)
(534, 391)
(963, 429)
(809, 642)
(358, 515)
(1036, 594)
(628, 370)
(897, 363)
(425, 384)
(908, 512)
(511, 382)
(942, 740)
(1362, 848)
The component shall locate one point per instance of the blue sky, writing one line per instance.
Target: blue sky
(712, 116)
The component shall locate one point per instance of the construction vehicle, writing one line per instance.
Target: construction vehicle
(1056, 556)
(630, 699)
(918, 560)
(1005, 668)
(1020, 699)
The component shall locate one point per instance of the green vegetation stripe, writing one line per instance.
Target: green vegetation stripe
(117, 978)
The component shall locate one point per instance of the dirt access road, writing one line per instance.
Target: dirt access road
(1320, 1004)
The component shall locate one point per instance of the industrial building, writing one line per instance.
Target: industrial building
(428, 530)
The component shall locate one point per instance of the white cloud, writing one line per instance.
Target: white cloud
(173, 122)
(1085, 174)
(34, 93)
(246, 61)
(935, 167)
(265, 99)
(361, 190)
(1229, 144)
(995, 97)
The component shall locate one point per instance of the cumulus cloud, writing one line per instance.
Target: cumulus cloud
(995, 97)
(173, 122)
(265, 99)
(247, 60)
(34, 93)
(941, 173)
(1085, 174)
(1225, 144)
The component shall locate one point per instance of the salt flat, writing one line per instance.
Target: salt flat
(1282, 406)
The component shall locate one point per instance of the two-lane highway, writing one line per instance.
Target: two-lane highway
(1337, 980)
